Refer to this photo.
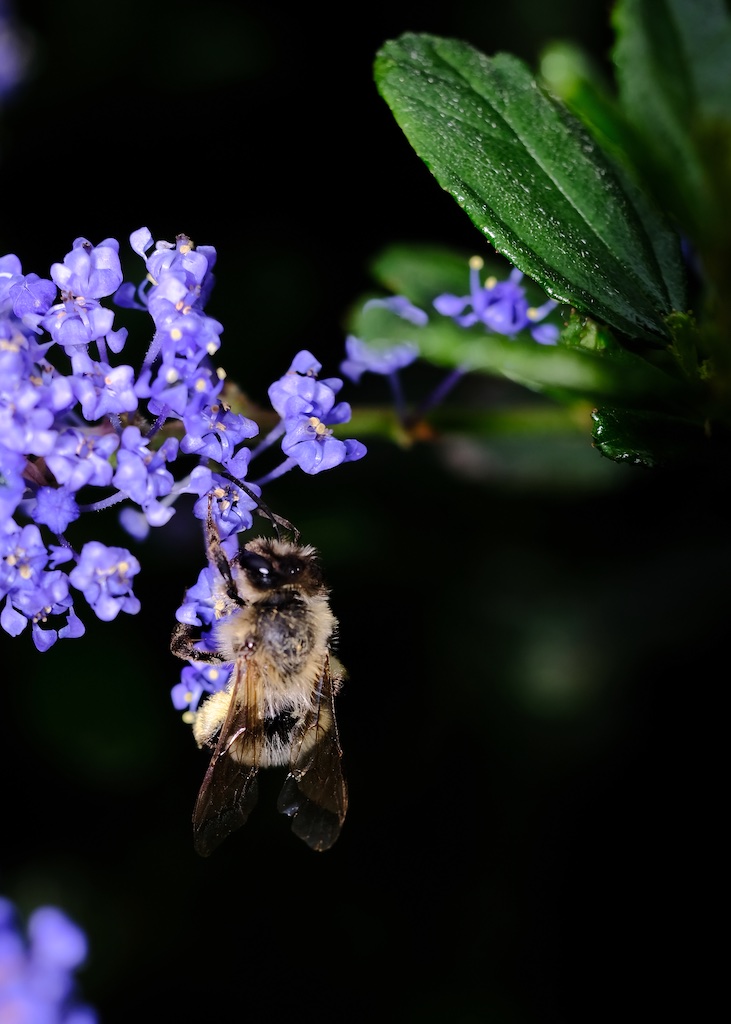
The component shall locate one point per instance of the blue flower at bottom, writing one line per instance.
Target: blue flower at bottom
(36, 974)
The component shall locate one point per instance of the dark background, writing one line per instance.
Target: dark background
(534, 635)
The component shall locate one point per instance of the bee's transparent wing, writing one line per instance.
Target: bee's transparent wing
(315, 794)
(229, 790)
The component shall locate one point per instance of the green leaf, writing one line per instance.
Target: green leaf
(686, 345)
(533, 180)
(650, 439)
(571, 76)
(673, 60)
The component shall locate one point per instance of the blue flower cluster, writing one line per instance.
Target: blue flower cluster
(36, 974)
(75, 421)
(501, 306)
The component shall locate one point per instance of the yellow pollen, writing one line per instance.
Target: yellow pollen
(176, 334)
(532, 313)
(490, 283)
(220, 372)
(200, 385)
(318, 426)
(171, 375)
(189, 717)
(476, 263)
(25, 572)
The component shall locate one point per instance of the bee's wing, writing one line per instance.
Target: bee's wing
(315, 794)
(229, 790)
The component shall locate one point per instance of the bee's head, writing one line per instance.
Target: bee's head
(270, 564)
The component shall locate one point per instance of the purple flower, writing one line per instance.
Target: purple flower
(501, 306)
(55, 508)
(311, 445)
(293, 394)
(89, 271)
(182, 330)
(12, 484)
(137, 524)
(103, 389)
(402, 306)
(195, 680)
(32, 296)
(36, 974)
(305, 364)
(23, 556)
(104, 576)
(213, 431)
(168, 393)
(199, 606)
(33, 593)
(26, 423)
(231, 507)
(142, 473)
(362, 358)
(82, 457)
(170, 262)
(193, 263)
(307, 407)
(238, 463)
(76, 322)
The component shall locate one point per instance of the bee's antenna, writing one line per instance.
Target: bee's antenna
(263, 510)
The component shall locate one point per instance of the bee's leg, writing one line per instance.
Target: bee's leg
(265, 511)
(182, 645)
(217, 557)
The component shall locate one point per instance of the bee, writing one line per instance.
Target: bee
(277, 628)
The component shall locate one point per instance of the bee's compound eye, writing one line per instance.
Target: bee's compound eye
(258, 568)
